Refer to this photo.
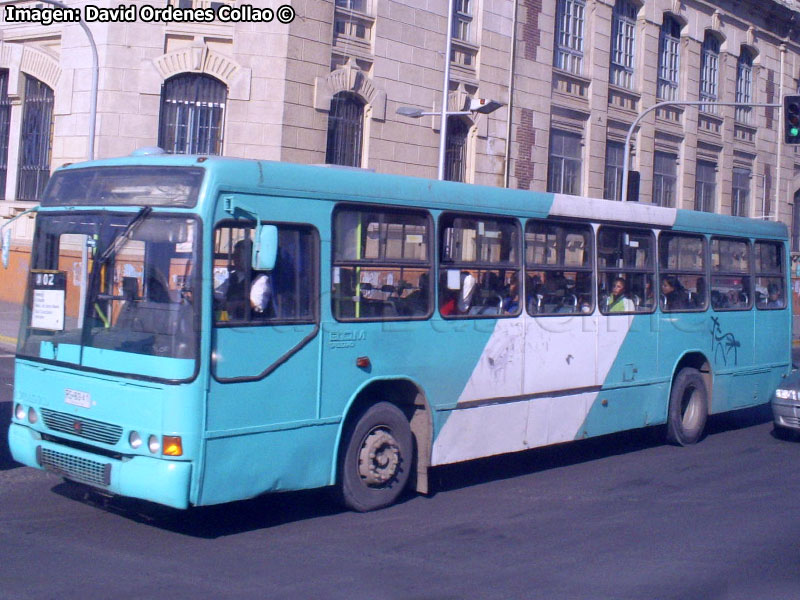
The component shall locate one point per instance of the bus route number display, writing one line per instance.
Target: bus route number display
(49, 291)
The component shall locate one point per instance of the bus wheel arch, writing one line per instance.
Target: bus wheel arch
(689, 399)
(391, 417)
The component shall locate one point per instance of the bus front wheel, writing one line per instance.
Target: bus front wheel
(377, 459)
(688, 408)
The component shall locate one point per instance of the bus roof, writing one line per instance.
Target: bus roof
(359, 185)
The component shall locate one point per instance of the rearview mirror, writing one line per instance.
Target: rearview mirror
(265, 250)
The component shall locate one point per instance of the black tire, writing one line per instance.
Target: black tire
(688, 408)
(376, 460)
(784, 433)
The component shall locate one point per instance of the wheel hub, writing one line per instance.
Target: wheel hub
(379, 458)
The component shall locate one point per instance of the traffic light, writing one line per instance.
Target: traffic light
(791, 119)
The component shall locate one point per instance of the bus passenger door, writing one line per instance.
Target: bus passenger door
(265, 345)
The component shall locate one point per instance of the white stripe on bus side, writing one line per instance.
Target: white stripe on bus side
(555, 354)
(610, 210)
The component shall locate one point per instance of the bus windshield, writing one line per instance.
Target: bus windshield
(114, 292)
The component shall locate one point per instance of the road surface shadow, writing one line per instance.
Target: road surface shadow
(272, 510)
(494, 468)
(216, 521)
(507, 466)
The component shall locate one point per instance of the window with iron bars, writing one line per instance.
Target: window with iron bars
(564, 169)
(669, 62)
(569, 35)
(665, 179)
(345, 130)
(744, 85)
(5, 123)
(192, 113)
(709, 73)
(37, 140)
(455, 158)
(740, 195)
(623, 44)
(705, 187)
(612, 188)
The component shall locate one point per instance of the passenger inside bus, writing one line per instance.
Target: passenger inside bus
(416, 302)
(774, 296)
(233, 295)
(675, 296)
(511, 300)
(618, 301)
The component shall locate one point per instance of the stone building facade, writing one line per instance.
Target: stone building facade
(573, 75)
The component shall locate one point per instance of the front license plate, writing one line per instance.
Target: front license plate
(76, 398)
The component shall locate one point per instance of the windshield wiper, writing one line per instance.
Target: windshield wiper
(105, 255)
(123, 237)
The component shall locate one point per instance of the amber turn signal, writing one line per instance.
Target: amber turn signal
(172, 445)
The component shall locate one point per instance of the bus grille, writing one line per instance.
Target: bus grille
(89, 429)
(74, 467)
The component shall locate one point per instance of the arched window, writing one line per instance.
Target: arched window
(345, 130)
(37, 139)
(455, 159)
(192, 112)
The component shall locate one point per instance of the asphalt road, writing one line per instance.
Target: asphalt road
(620, 517)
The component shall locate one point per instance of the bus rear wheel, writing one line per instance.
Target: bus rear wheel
(377, 459)
(688, 408)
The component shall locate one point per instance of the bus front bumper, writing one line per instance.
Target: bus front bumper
(153, 479)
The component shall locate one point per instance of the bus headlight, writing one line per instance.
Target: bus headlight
(153, 444)
(19, 412)
(32, 416)
(134, 439)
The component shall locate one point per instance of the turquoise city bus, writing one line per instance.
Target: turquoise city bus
(199, 330)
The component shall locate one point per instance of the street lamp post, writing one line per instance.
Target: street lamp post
(476, 105)
(645, 112)
(479, 105)
(445, 90)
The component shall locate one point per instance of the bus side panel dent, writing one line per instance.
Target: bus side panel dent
(283, 460)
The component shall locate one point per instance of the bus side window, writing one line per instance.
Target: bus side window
(558, 260)
(682, 266)
(626, 270)
(769, 266)
(731, 287)
(285, 294)
(479, 267)
(381, 264)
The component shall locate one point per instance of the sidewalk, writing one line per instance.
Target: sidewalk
(10, 315)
